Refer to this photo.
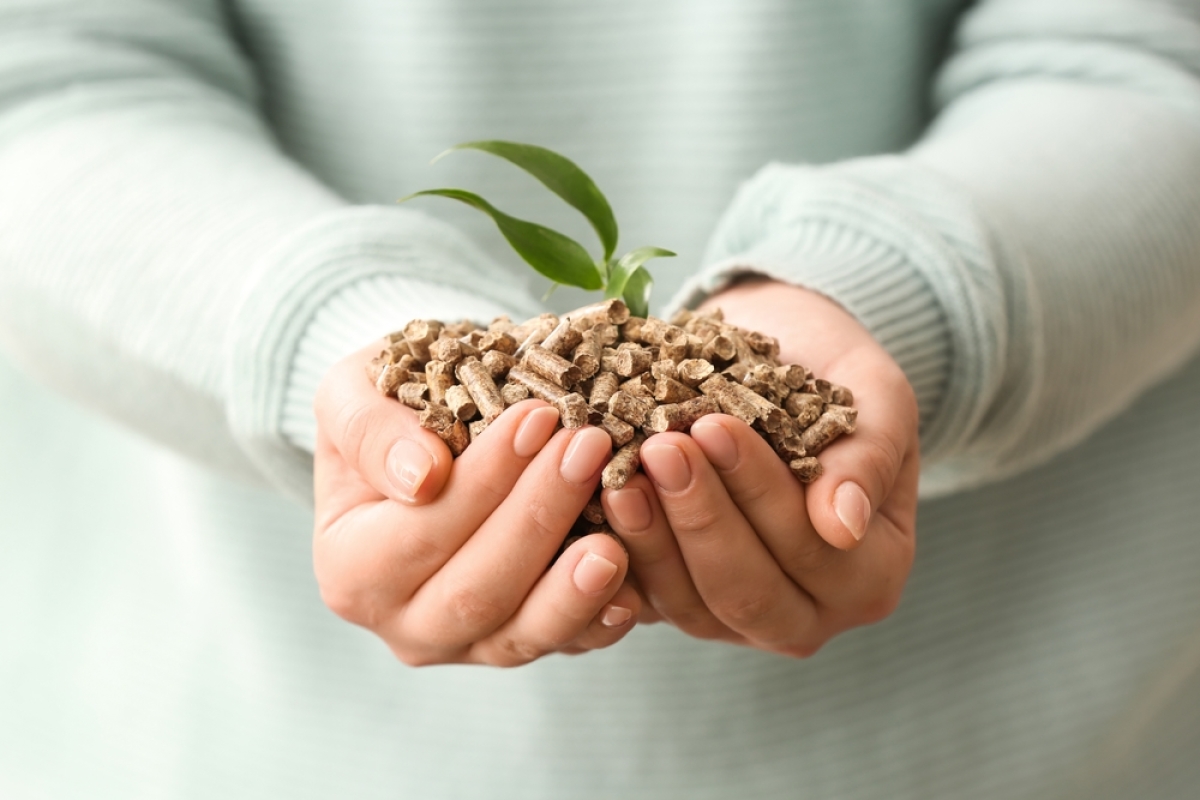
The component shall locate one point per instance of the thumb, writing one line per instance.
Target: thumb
(378, 437)
(862, 469)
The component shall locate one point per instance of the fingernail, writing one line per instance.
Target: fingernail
(408, 465)
(630, 509)
(593, 573)
(667, 467)
(587, 452)
(717, 443)
(853, 508)
(615, 616)
(535, 430)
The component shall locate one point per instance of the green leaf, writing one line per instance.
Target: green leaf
(558, 257)
(629, 264)
(637, 292)
(563, 177)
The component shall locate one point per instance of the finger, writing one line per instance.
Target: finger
(860, 470)
(767, 494)
(869, 586)
(864, 585)
(614, 620)
(485, 474)
(647, 615)
(762, 487)
(378, 437)
(482, 585)
(856, 587)
(560, 609)
(656, 561)
(336, 487)
(735, 574)
(372, 554)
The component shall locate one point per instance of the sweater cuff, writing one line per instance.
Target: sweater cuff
(884, 260)
(350, 269)
(873, 284)
(359, 313)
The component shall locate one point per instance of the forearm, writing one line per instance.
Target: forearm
(163, 258)
(1030, 262)
(1096, 206)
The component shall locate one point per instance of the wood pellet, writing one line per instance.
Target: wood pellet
(630, 376)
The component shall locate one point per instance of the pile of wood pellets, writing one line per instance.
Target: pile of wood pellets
(630, 376)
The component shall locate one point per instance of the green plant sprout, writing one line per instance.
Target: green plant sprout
(560, 258)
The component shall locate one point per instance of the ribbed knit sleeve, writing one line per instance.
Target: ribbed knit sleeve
(343, 322)
(1031, 261)
(160, 257)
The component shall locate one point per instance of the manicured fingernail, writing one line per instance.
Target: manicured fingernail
(615, 616)
(408, 465)
(593, 573)
(717, 443)
(853, 508)
(667, 466)
(587, 452)
(535, 430)
(630, 509)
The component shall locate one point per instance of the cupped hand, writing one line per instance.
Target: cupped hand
(723, 540)
(446, 560)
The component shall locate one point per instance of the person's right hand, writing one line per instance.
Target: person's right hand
(445, 560)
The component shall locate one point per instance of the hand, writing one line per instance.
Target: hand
(446, 561)
(726, 544)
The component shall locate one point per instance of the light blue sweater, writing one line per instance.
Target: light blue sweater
(196, 220)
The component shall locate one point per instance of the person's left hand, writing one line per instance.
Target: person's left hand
(723, 540)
